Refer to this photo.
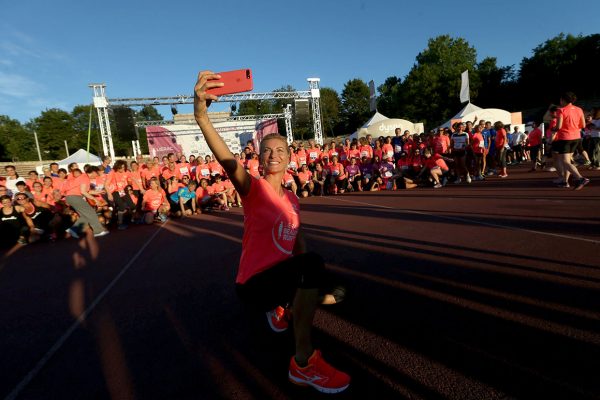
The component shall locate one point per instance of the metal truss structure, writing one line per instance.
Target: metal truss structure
(102, 103)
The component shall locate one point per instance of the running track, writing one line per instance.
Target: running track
(487, 291)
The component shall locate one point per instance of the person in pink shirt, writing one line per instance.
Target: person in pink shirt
(356, 153)
(534, 142)
(275, 268)
(338, 180)
(365, 150)
(387, 149)
(565, 139)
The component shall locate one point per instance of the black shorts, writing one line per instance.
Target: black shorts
(277, 285)
(565, 146)
(458, 153)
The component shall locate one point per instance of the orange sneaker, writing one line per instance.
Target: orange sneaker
(278, 319)
(319, 375)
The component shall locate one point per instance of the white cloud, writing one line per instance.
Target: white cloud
(15, 85)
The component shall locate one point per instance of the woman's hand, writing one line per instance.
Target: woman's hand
(202, 99)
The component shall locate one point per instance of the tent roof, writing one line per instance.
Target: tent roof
(80, 156)
(469, 108)
(377, 117)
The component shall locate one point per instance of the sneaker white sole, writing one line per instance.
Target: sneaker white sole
(303, 382)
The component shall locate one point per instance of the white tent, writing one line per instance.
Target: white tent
(486, 114)
(468, 109)
(380, 125)
(80, 157)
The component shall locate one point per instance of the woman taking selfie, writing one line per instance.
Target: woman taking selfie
(275, 269)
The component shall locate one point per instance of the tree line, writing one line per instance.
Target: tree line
(428, 94)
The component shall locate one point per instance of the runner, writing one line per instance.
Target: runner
(282, 271)
(566, 139)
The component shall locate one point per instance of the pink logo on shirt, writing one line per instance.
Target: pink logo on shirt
(284, 233)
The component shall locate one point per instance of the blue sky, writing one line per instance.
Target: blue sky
(51, 50)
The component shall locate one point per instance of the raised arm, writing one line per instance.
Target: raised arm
(239, 177)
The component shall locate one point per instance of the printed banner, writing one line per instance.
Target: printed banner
(187, 139)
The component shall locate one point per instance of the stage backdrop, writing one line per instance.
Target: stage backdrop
(188, 139)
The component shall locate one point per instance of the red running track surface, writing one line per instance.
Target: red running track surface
(481, 291)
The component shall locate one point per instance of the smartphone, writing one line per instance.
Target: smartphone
(235, 82)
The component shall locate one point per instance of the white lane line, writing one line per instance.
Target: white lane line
(61, 341)
(468, 221)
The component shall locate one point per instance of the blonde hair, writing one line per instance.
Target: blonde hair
(274, 136)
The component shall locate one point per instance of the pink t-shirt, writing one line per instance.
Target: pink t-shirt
(571, 123)
(271, 225)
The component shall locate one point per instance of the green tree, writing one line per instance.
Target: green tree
(330, 112)
(430, 92)
(147, 113)
(81, 120)
(562, 63)
(388, 100)
(17, 143)
(497, 85)
(53, 127)
(354, 104)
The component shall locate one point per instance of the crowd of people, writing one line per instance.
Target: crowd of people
(62, 202)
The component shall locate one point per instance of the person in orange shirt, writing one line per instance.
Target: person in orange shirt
(306, 186)
(47, 190)
(275, 268)
(252, 166)
(293, 165)
(478, 146)
(289, 182)
(313, 152)
(154, 203)
(220, 193)
(534, 142)
(137, 183)
(501, 147)
(437, 168)
(202, 170)
(120, 179)
(566, 138)
(75, 190)
(233, 197)
(203, 195)
(214, 166)
(387, 149)
(33, 177)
